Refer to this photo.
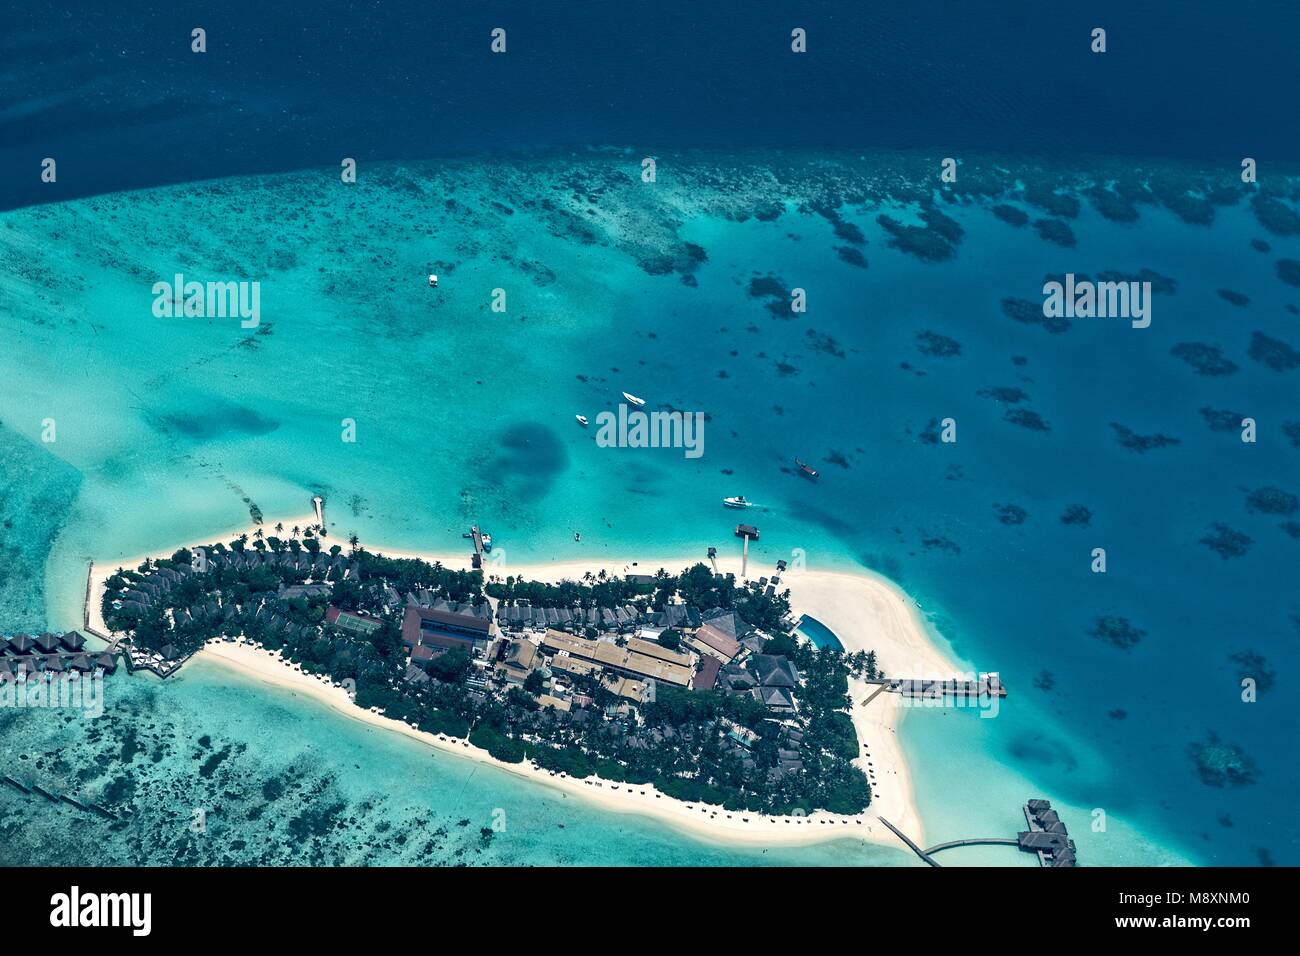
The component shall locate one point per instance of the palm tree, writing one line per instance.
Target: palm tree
(279, 526)
(354, 541)
(258, 533)
(294, 531)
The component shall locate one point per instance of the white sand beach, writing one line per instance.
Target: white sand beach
(865, 612)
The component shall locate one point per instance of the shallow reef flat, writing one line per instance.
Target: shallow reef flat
(221, 772)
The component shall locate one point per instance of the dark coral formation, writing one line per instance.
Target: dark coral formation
(1112, 205)
(1055, 230)
(1045, 196)
(1220, 764)
(935, 242)
(824, 343)
(940, 543)
(1272, 501)
(1275, 216)
(1206, 359)
(1141, 443)
(1272, 352)
(1236, 298)
(1227, 542)
(852, 256)
(1031, 313)
(1076, 515)
(1026, 418)
(777, 294)
(936, 345)
(1010, 514)
(1118, 632)
(1004, 394)
(1222, 419)
(1010, 214)
(1253, 665)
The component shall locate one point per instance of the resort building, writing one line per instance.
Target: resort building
(621, 660)
(520, 661)
(658, 651)
(577, 666)
(707, 676)
(714, 642)
(628, 689)
(444, 630)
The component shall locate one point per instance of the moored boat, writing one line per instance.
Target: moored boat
(582, 420)
(633, 399)
(807, 469)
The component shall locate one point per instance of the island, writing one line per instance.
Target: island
(692, 691)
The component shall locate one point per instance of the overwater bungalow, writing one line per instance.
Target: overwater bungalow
(106, 662)
(21, 644)
(47, 643)
(73, 641)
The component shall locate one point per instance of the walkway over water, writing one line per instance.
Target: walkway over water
(1045, 837)
(978, 841)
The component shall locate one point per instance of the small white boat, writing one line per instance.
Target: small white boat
(433, 281)
(633, 399)
(487, 541)
(737, 502)
(582, 420)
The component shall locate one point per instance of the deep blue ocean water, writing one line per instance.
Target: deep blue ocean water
(113, 92)
(198, 419)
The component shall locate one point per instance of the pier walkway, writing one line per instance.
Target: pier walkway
(978, 841)
(54, 797)
(1046, 837)
(906, 839)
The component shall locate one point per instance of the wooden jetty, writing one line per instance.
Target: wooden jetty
(476, 560)
(749, 533)
(52, 797)
(990, 686)
(906, 839)
(977, 841)
(85, 806)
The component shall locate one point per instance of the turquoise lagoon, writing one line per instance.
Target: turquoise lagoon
(167, 430)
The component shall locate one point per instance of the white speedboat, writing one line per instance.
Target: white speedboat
(737, 502)
(633, 399)
(487, 541)
(582, 420)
